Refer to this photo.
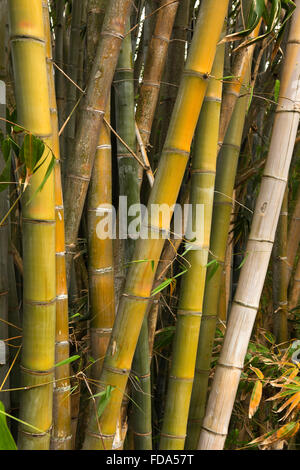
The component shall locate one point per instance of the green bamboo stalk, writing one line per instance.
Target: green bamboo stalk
(129, 187)
(259, 248)
(39, 293)
(280, 274)
(226, 171)
(167, 183)
(192, 287)
(141, 393)
(91, 117)
(125, 123)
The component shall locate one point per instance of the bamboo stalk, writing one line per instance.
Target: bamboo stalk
(168, 179)
(124, 109)
(59, 60)
(192, 287)
(73, 73)
(295, 291)
(91, 117)
(226, 171)
(101, 271)
(174, 67)
(280, 285)
(232, 89)
(4, 228)
(293, 236)
(259, 247)
(39, 293)
(61, 431)
(154, 66)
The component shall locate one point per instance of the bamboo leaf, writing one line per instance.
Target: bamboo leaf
(104, 398)
(258, 372)
(67, 361)
(255, 398)
(6, 440)
(276, 90)
(47, 174)
(7, 154)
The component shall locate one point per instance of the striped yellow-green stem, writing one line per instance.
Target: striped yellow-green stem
(38, 210)
(192, 286)
(61, 431)
(226, 171)
(133, 304)
(258, 250)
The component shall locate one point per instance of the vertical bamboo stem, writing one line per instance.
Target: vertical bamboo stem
(61, 432)
(259, 247)
(39, 293)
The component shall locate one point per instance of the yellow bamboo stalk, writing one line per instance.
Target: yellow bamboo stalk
(167, 183)
(259, 247)
(39, 292)
(192, 287)
(61, 431)
(101, 272)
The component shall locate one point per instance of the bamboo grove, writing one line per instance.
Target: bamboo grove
(149, 224)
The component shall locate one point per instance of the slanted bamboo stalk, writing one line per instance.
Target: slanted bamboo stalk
(174, 67)
(39, 292)
(91, 117)
(226, 171)
(168, 179)
(61, 431)
(192, 286)
(154, 66)
(280, 300)
(259, 247)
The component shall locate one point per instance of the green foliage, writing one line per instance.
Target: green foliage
(6, 440)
